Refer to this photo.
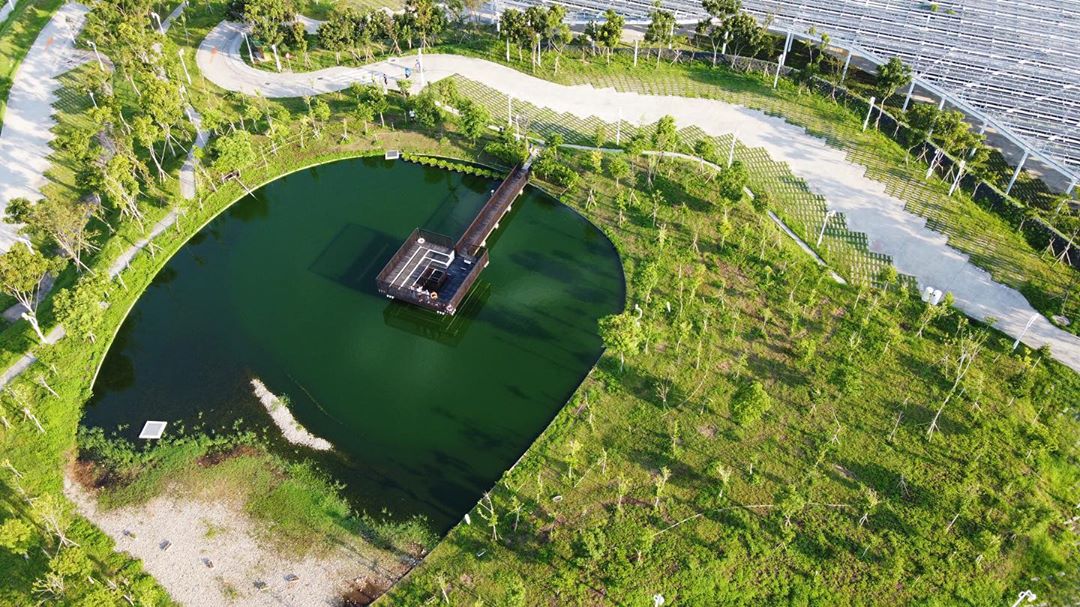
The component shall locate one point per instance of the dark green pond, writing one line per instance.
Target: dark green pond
(425, 412)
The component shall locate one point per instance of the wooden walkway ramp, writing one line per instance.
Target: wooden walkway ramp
(500, 203)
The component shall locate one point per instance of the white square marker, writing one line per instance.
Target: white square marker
(153, 430)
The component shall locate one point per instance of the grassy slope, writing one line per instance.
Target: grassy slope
(841, 367)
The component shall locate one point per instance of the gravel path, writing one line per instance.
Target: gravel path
(916, 250)
(28, 121)
(201, 534)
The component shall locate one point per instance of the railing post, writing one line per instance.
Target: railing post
(868, 112)
(1016, 173)
(907, 98)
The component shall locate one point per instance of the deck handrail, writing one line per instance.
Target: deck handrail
(493, 208)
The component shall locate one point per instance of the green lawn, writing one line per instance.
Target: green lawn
(771, 510)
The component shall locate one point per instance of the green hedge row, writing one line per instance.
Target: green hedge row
(451, 165)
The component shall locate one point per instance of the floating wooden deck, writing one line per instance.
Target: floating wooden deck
(432, 271)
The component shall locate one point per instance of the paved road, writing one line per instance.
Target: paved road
(916, 250)
(26, 132)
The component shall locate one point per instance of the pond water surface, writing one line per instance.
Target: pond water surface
(425, 412)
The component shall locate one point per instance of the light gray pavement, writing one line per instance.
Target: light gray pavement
(28, 121)
(187, 172)
(916, 250)
(125, 258)
(9, 5)
(168, 21)
(24, 361)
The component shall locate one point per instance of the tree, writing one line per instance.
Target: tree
(21, 271)
(268, 19)
(426, 110)
(661, 482)
(732, 182)
(661, 29)
(295, 37)
(427, 18)
(749, 403)
(364, 113)
(61, 223)
(514, 29)
(16, 536)
(78, 308)
(556, 32)
(622, 334)
(618, 168)
(921, 119)
(609, 34)
(714, 30)
(232, 152)
(744, 36)
(339, 31)
(146, 133)
(890, 77)
(535, 27)
(474, 120)
(705, 149)
(664, 139)
(968, 346)
(378, 101)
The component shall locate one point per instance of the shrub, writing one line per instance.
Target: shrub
(749, 403)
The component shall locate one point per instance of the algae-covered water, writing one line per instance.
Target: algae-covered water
(425, 412)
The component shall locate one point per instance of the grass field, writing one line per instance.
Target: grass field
(670, 476)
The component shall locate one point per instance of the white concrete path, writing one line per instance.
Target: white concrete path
(124, 259)
(915, 249)
(28, 121)
(29, 358)
(9, 5)
(187, 172)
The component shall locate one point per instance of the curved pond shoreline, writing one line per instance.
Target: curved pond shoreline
(537, 316)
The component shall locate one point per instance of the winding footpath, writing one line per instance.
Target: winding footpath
(916, 249)
(26, 133)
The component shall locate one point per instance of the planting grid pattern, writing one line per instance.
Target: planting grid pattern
(998, 249)
(803, 210)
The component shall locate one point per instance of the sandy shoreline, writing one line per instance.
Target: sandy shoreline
(212, 553)
(283, 418)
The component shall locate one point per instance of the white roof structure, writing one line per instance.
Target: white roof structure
(1009, 64)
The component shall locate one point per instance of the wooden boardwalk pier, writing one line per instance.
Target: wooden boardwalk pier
(434, 272)
(500, 203)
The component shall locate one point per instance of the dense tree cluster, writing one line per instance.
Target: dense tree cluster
(365, 32)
